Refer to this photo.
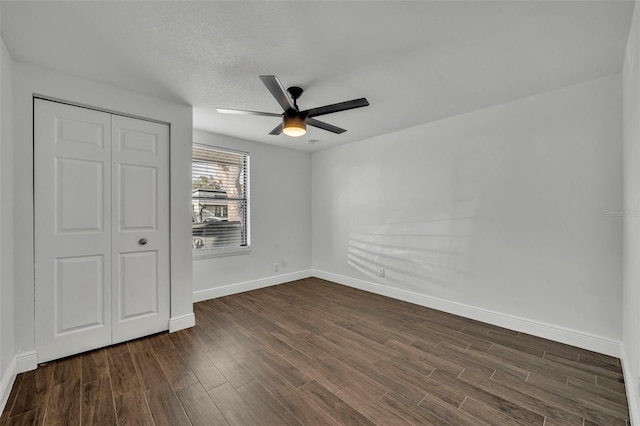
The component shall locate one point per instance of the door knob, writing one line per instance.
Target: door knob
(142, 241)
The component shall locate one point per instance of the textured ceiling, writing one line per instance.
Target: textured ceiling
(415, 62)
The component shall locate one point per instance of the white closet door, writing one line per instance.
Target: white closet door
(101, 188)
(140, 249)
(72, 194)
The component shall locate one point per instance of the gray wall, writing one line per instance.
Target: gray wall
(280, 221)
(7, 341)
(631, 299)
(503, 209)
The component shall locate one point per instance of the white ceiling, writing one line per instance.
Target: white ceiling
(415, 62)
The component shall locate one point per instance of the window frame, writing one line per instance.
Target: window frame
(197, 254)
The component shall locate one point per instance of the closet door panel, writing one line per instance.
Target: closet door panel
(72, 189)
(140, 204)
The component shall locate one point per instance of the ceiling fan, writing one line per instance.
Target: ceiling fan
(294, 122)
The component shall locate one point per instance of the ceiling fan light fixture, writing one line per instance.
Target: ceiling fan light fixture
(294, 125)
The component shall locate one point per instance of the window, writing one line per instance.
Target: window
(220, 201)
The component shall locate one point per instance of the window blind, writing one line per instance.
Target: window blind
(220, 200)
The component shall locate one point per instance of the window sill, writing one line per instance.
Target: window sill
(212, 253)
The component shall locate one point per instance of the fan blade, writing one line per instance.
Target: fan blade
(278, 92)
(324, 126)
(277, 130)
(243, 112)
(342, 106)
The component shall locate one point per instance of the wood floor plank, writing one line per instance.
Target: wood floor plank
(139, 345)
(267, 339)
(124, 377)
(225, 340)
(354, 348)
(63, 404)
(304, 410)
(204, 370)
(487, 414)
(371, 408)
(569, 352)
(592, 389)
(448, 413)
(288, 371)
(615, 385)
(520, 393)
(94, 365)
(161, 342)
(411, 412)
(403, 373)
(33, 417)
(517, 344)
(165, 408)
(539, 365)
(176, 370)
(235, 410)
(596, 370)
(458, 339)
(480, 360)
(588, 406)
(231, 369)
(199, 407)
(132, 409)
(33, 389)
(498, 402)
(186, 341)
(342, 412)
(414, 355)
(67, 369)
(327, 346)
(149, 369)
(349, 376)
(15, 389)
(327, 376)
(296, 342)
(97, 403)
(266, 407)
(600, 360)
(268, 376)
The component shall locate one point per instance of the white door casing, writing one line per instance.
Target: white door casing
(93, 185)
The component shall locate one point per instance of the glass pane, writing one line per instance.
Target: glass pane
(219, 199)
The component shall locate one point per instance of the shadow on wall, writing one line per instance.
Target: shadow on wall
(425, 257)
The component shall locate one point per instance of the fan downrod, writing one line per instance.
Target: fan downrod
(295, 93)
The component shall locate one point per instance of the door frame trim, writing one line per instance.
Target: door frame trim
(108, 111)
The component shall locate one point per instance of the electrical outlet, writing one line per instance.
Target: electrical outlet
(381, 271)
(276, 267)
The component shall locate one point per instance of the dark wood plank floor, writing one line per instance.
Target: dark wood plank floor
(316, 353)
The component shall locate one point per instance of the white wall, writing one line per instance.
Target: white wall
(280, 222)
(631, 270)
(30, 80)
(501, 209)
(7, 341)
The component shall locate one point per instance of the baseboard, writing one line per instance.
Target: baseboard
(632, 385)
(548, 331)
(181, 322)
(26, 361)
(6, 383)
(212, 293)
